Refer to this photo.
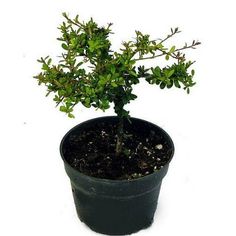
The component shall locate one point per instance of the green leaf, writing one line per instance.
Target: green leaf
(133, 96)
(105, 104)
(61, 92)
(79, 64)
(133, 73)
(157, 71)
(45, 67)
(113, 69)
(162, 85)
(172, 49)
(170, 84)
(167, 57)
(87, 90)
(70, 115)
(114, 85)
(64, 14)
(170, 73)
(64, 46)
(176, 83)
(87, 102)
(120, 81)
(57, 83)
(63, 109)
(56, 98)
(62, 80)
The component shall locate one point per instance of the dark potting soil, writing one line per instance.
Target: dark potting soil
(92, 152)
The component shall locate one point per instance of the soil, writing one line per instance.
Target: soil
(92, 152)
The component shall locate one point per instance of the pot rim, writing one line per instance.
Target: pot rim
(91, 178)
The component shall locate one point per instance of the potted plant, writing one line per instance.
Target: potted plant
(116, 164)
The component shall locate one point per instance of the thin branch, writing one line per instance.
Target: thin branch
(158, 55)
(187, 47)
(173, 32)
(60, 101)
(147, 58)
(77, 23)
(173, 55)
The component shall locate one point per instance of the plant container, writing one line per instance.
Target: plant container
(116, 207)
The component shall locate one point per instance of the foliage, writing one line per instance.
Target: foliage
(90, 73)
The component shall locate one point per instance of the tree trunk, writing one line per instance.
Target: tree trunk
(120, 135)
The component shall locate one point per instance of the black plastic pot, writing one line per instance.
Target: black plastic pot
(116, 207)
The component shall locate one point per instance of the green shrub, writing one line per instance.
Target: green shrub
(90, 73)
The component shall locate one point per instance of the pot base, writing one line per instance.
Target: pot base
(116, 216)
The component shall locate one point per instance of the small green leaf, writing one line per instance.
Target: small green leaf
(113, 69)
(62, 80)
(157, 71)
(133, 73)
(114, 85)
(170, 84)
(61, 92)
(64, 14)
(63, 109)
(79, 64)
(133, 96)
(45, 67)
(167, 57)
(87, 90)
(87, 102)
(105, 104)
(176, 83)
(172, 49)
(162, 85)
(56, 98)
(70, 115)
(57, 83)
(64, 46)
(170, 73)
(121, 81)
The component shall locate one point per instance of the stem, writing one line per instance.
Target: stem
(120, 135)
(173, 32)
(77, 23)
(173, 55)
(151, 57)
(119, 110)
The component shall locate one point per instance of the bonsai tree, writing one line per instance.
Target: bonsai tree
(90, 73)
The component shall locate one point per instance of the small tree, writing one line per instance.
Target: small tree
(91, 74)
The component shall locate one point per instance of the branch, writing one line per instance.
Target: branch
(74, 22)
(159, 55)
(147, 58)
(194, 43)
(173, 54)
(173, 32)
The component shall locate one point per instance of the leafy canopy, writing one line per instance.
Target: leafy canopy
(91, 74)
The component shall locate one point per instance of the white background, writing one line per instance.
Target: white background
(198, 194)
